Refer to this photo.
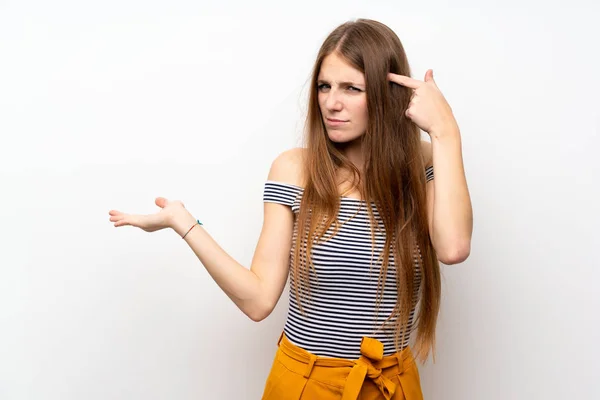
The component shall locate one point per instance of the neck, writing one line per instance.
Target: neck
(353, 150)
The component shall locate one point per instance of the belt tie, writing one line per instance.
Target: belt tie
(371, 351)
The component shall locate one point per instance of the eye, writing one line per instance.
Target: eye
(354, 89)
(322, 86)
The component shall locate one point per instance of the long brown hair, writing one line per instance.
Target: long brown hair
(393, 179)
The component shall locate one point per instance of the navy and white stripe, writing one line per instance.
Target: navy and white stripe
(429, 173)
(342, 308)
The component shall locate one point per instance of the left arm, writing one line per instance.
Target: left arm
(449, 210)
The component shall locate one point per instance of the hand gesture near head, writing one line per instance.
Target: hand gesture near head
(428, 107)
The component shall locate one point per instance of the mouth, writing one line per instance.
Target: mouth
(334, 121)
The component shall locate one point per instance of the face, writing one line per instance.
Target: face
(343, 99)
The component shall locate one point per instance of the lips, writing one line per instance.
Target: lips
(334, 122)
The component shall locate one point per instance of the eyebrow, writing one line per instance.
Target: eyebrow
(341, 83)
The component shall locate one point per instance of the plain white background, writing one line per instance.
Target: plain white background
(107, 105)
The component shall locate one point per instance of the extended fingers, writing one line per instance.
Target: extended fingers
(118, 218)
(405, 81)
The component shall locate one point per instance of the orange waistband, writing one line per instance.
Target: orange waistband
(370, 364)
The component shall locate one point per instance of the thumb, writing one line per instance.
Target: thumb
(429, 75)
(161, 202)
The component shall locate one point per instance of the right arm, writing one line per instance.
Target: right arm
(257, 290)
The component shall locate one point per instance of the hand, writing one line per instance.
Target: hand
(428, 108)
(152, 222)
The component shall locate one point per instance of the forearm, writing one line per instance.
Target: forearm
(239, 283)
(452, 211)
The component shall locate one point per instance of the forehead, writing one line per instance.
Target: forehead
(335, 68)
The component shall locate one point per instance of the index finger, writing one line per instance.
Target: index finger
(405, 81)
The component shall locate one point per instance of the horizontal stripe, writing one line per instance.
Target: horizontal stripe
(344, 283)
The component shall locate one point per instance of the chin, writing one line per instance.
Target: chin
(342, 137)
(337, 139)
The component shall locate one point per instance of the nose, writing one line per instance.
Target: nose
(333, 101)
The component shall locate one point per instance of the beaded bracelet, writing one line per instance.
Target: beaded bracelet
(193, 226)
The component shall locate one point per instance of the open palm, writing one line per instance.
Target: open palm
(149, 222)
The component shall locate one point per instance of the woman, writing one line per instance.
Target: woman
(338, 213)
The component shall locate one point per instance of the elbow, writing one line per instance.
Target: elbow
(456, 253)
(256, 316)
(259, 312)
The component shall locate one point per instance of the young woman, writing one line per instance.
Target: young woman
(356, 221)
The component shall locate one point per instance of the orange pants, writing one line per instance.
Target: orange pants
(297, 374)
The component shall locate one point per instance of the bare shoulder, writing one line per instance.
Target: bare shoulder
(427, 153)
(288, 167)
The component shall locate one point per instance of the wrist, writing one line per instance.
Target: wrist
(181, 222)
(449, 129)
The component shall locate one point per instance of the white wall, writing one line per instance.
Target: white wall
(108, 105)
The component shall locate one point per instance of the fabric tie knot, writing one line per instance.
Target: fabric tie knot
(372, 351)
